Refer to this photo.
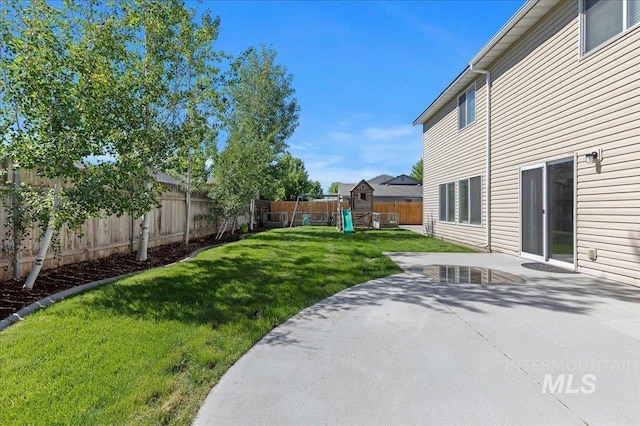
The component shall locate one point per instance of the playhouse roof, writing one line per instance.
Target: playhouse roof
(354, 187)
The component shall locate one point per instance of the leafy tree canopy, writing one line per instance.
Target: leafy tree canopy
(416, 170)
(261, 114)
(291, 180)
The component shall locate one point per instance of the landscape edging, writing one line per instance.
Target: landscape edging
(56, 297)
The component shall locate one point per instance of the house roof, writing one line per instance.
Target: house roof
(405, 191)
(379, 179)
(525, 18)
(402, 180)
(164, 178)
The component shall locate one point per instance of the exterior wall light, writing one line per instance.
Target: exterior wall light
(591, 157)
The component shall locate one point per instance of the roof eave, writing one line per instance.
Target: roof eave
(496, 45)
(421, 119)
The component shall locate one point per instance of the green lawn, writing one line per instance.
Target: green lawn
(147, 350)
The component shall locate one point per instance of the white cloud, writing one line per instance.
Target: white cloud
(340, 136)
(319, 163)
(378, 133)
(393, 153)
(358, 151)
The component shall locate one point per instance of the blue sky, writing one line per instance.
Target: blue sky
(363, 71)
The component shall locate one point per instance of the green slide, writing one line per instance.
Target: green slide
(347, 223)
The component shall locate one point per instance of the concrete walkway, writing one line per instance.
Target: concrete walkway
(558, 349)
(418, 229)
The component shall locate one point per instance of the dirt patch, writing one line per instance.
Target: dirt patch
(13, 297)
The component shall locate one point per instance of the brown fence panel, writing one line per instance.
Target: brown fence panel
(408, 213)
(307, 206)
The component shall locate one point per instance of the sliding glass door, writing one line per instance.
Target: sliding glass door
(560, 207)
(532, 210)
(546, 211)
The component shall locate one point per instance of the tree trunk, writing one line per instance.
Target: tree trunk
(132, 234)
(143, 246)
(187, 224)
(253, 209)
(44, 244)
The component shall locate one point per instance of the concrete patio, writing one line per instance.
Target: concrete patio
(557, 349)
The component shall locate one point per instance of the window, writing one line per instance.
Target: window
(363, 196)
(470, 200)
(633, 13)
(467, 107)
(602, 20)
(448, 202)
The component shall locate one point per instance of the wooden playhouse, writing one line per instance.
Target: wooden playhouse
(361, 204)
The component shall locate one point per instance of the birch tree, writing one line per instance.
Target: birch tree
(261, 114)
(85, 103)
(56, 64)
(195, 103)
(145, 143)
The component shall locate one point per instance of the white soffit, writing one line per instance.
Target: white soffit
(525, 18)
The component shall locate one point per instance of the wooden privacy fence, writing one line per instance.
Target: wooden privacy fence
(408, 213)
(106, 236)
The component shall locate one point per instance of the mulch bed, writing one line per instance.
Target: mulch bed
(50, 281)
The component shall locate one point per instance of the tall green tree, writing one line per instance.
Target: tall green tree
(333, 188)
(292, 179)
(261, 114)
(416, 170)
(194, 86)
(152, 28)
(57, 65)
(89, 81)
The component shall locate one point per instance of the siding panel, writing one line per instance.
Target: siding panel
(547, 103)
(450, 155)
(572, 106)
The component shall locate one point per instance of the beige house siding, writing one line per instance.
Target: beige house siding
(449, 155)
(548, 103)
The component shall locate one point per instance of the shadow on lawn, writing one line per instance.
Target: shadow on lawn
(231, 288)
(241, 286)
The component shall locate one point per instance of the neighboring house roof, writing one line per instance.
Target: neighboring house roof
(402, 180)
(379, 179)
(404, 191)
(164, 178)
(399, 191)
(525, 18)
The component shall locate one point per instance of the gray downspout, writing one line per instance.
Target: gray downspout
(487, 75)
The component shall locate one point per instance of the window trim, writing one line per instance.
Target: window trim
(447, 202)
(582, 29)
(475, 109)
(468, 222)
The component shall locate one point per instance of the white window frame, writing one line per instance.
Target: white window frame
(475, 109)
(469, 203)
(447, 202)
(625, 28)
